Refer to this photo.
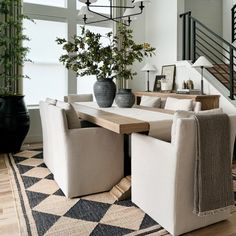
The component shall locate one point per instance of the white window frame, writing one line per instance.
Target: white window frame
(69, 15)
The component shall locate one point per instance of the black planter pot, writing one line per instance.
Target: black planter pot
(14, 123)
(104, 91)
(125, 98)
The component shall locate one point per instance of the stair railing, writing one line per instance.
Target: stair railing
(199, 40)
(233, 23)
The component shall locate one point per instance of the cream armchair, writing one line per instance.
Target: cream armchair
(162, 178)
(47, 135)
(85, 161)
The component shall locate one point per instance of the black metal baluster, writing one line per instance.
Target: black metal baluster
(231, 73)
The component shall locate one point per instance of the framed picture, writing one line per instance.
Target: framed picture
(157, 83)
(169, 72)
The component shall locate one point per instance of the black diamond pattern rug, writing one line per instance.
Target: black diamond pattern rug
(44, 210)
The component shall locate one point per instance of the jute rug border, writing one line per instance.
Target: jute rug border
(25, 218)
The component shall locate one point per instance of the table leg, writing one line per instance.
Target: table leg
(127, 154)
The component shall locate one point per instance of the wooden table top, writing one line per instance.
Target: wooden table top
(114, 122)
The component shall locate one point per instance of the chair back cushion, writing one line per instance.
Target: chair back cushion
(179, 104)
(197, 106)
(72, 118)
(150, 101)
(51, 101)
(189, 114)
(78, 98)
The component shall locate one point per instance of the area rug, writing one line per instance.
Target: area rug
(44, 210)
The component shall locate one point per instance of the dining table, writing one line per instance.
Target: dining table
(137, 119)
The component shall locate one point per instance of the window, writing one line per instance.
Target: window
(55, 3)
(49, 78)
(47, 73)
(104, 10)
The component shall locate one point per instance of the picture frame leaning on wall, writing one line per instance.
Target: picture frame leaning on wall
(157, 83)
(169, 72)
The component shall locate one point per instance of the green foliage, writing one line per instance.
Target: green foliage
(12, 53)
(86, 55)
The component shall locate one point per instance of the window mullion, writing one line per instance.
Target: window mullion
(72, 30)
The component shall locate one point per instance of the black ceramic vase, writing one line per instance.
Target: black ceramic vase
(125, 98)
(14, 123)
(104, 92)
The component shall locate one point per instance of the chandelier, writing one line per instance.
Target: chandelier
(130, 12)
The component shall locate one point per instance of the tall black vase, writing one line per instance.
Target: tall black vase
(14, 123)
(104, 92)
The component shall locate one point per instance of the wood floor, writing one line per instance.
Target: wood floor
(9, 222)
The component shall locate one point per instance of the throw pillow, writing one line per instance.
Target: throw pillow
(179, 104)
(72, 118)
(148, 101)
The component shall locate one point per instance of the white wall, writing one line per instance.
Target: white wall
(226, 9)
(208, 11)
(138, 27)
(160, 30)
(180, 10)
(184, 71)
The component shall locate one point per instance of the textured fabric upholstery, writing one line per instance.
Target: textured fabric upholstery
(172, 103)
(85, 161)
(188, 114)
(78, 98)
(162, 178)
(51, 101)
(47, 139)
(179, 104)
(197, 106)
(72, 118)
(150, 101)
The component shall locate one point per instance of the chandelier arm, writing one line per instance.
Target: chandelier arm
(115, 19)
(134, 14)
(123, 23)
(99, 14)
(112, 6)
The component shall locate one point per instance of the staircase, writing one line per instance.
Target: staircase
(199, 40)
(221, 72)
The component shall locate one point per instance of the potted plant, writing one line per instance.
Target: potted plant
(86, 55)
(14, 117)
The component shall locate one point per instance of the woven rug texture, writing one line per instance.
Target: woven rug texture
(44, 210)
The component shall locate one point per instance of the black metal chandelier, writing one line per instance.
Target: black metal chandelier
(130, 12)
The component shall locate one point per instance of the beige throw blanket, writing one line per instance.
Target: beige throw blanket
(213, 186)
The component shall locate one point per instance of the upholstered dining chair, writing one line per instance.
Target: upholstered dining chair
(85, 160)
(47, 139)
(163, 177)
(78, 98)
